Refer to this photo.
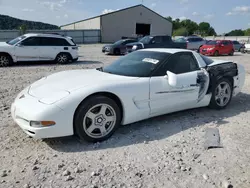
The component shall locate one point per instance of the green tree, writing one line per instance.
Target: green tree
(236, 32)
(181, 32)
(247, 32)
(190, 25)
(23, 28)
(169, 18)
(203, 28)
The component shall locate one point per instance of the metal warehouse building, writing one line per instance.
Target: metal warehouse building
(129, 22)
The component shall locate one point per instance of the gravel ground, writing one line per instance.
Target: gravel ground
(165, 151)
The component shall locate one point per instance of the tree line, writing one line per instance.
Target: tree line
(188, 27)
(10, 23)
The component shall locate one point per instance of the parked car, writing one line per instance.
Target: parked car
(118, 48)
(245, 48)
(237, 46)
(38, 47)
(93, 103)
(158, 41)
(217, 47)
(193, 42)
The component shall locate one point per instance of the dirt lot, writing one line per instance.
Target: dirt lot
(166, 151)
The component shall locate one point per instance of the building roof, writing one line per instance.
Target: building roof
(140, 5)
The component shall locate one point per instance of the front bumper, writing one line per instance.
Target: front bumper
(207, 52)
(29, 109)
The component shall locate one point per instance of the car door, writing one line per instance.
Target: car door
(156, 42)
(50, 48)
(165, 96)
(224, 47)
(27, 50)
(123, 47)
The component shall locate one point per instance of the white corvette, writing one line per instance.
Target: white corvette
(146, 83)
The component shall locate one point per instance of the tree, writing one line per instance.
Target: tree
(204, 28)
(23, 29)
(236, 32)
(169, 18)
(190, 26)
(181, 32)
(247, 32)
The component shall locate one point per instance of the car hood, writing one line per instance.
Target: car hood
(64, 82)
(207, 46)
(134, 43)
(4, 44)
(217, 62)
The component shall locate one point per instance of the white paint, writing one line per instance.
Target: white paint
(56, 97)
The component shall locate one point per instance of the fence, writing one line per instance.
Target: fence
(79, 36)
(245, 39)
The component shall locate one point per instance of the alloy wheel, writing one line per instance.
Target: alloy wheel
(62, 58)
(99, 121)
(4, 61)
(223, 94)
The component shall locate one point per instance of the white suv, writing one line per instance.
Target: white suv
(38, 47)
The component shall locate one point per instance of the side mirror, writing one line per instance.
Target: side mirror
(153, 41)
(172, 79)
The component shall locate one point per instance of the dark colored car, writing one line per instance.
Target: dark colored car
(163, 41)
(118, 48)
(217, 47)
(237, 45)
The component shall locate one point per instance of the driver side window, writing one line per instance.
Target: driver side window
(179, 63)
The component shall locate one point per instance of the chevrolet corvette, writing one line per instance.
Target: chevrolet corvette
(93, 103)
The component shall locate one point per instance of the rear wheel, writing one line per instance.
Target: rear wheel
(216, 53)
(231, 53)
(97, 119)
(5, 60)
(62, 58)
(222, 94)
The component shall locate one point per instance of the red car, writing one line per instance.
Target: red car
(217, 47)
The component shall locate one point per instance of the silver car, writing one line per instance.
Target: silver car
(193, 42)
(237, 46)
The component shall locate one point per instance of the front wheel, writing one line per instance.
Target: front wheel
(221, 94)
(97, 119)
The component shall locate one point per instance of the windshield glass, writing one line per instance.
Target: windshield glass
(207, 60)
(145, 40)
(180, 40)
(136, 64)
(119, 42)
(16, 40)
(213, 42)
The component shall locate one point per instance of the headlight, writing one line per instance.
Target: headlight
(210, 48)
(134, 47)
(54, 97)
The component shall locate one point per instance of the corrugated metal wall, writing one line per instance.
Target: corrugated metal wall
(79, 36)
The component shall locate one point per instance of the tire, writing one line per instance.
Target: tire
(220, 99)
(231, 53)
(216, 53)
(90, 123)
(5, 60)
(62, 58)
(117, 51)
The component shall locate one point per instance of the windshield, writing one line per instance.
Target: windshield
(207, 60)
(16, 40)
(213, 42)
(180, 40)
(119, 42)
(136, 64)
(145, 40)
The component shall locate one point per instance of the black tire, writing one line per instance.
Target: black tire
(214, 103)
(117, 51)
(216, 53)
(5, 60)
(231, 53)
(62, 58)
(81, 119)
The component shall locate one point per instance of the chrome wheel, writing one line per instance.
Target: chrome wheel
(62, 58)
(4, 61)
(222, 94)
(99, 121)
